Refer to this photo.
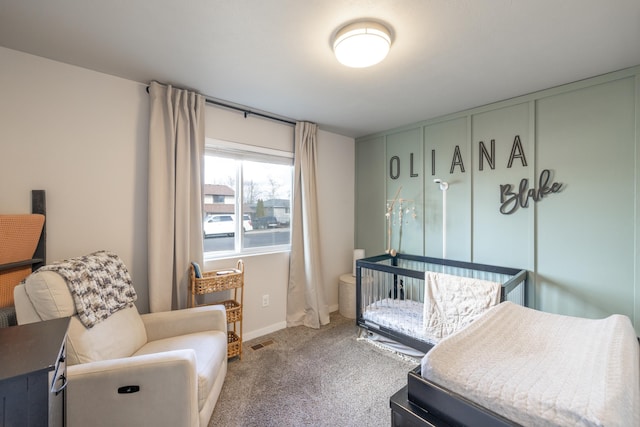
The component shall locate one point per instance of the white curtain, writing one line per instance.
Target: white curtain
(306, 302)
(176, 156)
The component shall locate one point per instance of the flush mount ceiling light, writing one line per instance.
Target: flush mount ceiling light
(362, 44)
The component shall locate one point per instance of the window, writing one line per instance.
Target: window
(249, 183)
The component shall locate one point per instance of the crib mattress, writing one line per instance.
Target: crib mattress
(538, 368)
(405, 316)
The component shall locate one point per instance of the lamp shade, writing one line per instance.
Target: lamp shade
(362, 44)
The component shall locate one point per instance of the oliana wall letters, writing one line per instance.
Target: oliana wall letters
(545, 182)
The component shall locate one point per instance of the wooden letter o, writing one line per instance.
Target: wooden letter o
(397, 161)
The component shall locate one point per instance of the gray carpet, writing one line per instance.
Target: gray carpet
(311, 377)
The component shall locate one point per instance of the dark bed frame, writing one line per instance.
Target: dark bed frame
(38, 206)
(391, 266)
(424, 403)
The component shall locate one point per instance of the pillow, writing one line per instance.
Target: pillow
(49, 294)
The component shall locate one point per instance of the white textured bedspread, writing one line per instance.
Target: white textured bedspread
(452, 302)
(543, 369)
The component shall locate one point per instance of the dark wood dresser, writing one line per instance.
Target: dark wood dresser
(33, 374)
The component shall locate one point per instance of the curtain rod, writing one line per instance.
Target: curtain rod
(248, 112)
(245, 111)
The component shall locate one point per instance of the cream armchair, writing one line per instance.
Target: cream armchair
(157, 369)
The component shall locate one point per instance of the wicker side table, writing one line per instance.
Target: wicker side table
(231, 279)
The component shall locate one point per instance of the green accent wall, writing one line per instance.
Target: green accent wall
(580, 244)
(585, 239)
(370, 195)
(404, 160)
(440, 142)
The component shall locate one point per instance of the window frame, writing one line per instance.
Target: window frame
(245, 152)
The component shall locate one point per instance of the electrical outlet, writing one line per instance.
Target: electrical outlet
(265, 300)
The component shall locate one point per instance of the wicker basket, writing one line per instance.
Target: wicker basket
(217, 280)
(234, 310)
(234, 345)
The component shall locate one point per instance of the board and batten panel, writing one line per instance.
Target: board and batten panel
(502, 239)
(440, 140)
(370, 196)
(585, 246)
(405, 180)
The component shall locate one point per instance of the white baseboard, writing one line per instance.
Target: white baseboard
(275, 327)
(264, 331)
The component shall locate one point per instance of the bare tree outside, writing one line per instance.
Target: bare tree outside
(274, 187)
(251, 191)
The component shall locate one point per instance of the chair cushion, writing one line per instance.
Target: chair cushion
(49, 294)
(211, 352)
(120, 335)
(9, 279)
(19, 235)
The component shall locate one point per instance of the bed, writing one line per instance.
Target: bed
(519, 366)
(22, 250)
(393, 300)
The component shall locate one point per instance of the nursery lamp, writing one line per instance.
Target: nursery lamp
(362, 44)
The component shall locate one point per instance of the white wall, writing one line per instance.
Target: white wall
(82, 136)
(336, 160)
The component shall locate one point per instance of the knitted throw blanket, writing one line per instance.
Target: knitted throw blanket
(99, 284)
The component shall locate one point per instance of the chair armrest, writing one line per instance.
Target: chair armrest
(167, 395)
(25, 311)
(168, 324)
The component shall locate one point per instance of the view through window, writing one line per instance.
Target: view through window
(254, 186)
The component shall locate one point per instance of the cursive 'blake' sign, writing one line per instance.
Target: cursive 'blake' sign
(511, 200)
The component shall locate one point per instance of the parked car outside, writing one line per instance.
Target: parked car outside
(224, 225)
(283, 219)
(265, 222)
(219, 225)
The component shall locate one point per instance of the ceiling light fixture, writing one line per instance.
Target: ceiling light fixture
(362, 44)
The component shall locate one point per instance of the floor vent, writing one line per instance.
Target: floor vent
(261, 345)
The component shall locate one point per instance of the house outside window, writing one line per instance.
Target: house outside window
(251, 183)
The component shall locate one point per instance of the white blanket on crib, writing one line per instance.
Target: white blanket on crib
(543, 369)
(452, 302)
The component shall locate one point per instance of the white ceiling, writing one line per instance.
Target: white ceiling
(275, 55)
